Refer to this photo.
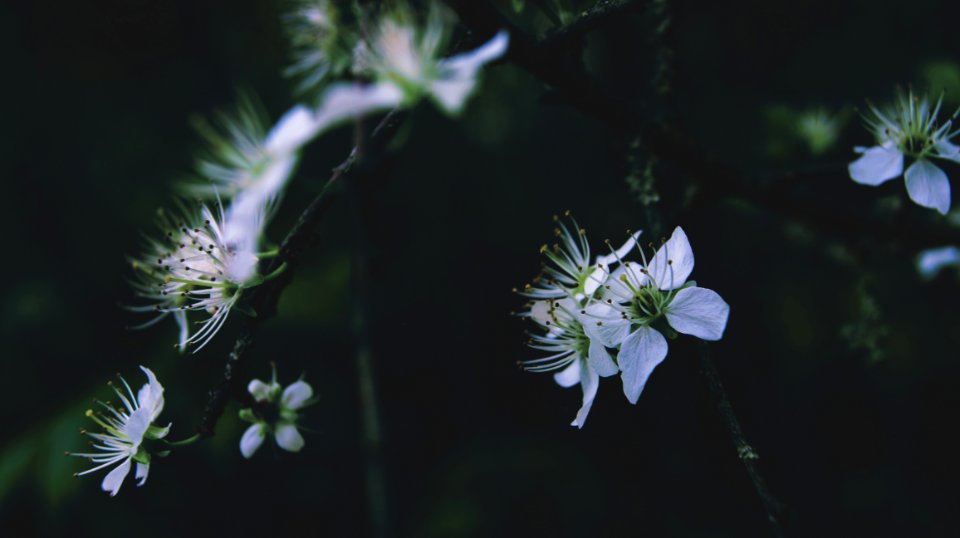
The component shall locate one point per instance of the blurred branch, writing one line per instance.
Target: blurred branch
(570, 81)
(378, 509)
(747, 454)
(263, 299)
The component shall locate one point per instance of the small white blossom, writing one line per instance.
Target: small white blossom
(125, 429)
(930, 262)
(199, 267)
(639, 297)
(569, 272)
(276, 413)
(579, 359)
(909, 130)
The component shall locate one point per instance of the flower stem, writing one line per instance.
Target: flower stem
(747, 454)
(184, 442)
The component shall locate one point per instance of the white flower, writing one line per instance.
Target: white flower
(406, 57)
(276, 412)
(578, 358)
(638, 298)
(124, 432)
(322, 45)
(199, 267)
(930, 262)
(569, 272)
(909, 130)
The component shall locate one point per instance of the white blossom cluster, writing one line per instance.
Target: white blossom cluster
(208, 254)
(599, 318)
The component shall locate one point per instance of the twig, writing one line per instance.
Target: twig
(747, 454)
(263, 299)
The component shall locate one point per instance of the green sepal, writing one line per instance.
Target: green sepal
(248, 415)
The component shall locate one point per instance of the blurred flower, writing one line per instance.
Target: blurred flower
(930, 262)
(125, 429)
(322, 44)
(569, 350)
(200, 266)
(276, 414)
(407, 58)
(909, 129)
(819, 129)
(640, 299)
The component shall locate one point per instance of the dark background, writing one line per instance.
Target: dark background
(856, 440)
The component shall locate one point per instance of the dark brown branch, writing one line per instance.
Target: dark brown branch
(747, 454)
(263, 299)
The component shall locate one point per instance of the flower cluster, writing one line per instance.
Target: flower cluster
(606, 317)
(909, 130)
(276, 412)
(207, 259)
(124, 431)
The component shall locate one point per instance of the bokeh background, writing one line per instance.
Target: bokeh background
(844, 374)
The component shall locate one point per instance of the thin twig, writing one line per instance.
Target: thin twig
(263, 299)
(745, 451)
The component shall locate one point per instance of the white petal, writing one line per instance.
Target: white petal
(698, 312)
(137, 425)
(295, 395)
(600, 360)
(948, 150)
(621, 252)
(673, 262)
(259, 390)
(151, 394)
(603, 322)
(928, 186)
(114, 478)
(589, 382)
(294, 129)
(617, 287)
(878, 164)
(932, 261)
(251, 440)
(347, 101)
(288, 438)
(569, 376)
(458, 73)
(143, 469)
(641, 352)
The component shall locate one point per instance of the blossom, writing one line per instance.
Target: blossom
(931, 261)
(125, 430)
(909, 130)
(642, 300)
(276, 413)
(574, 357)
(569, 272)
(322, 45)
(407, 58)
(199, 267)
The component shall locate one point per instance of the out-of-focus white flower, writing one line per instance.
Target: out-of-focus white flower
(407, 57)
(570, 353)
(909, 129)
(124, 430)
(819, 129)
(930, 262)
(638, 297)
(199, 267)
(322, 44)
(277, 413)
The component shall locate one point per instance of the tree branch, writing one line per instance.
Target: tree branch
(914, 229)
(263, 299)
(747, 454)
